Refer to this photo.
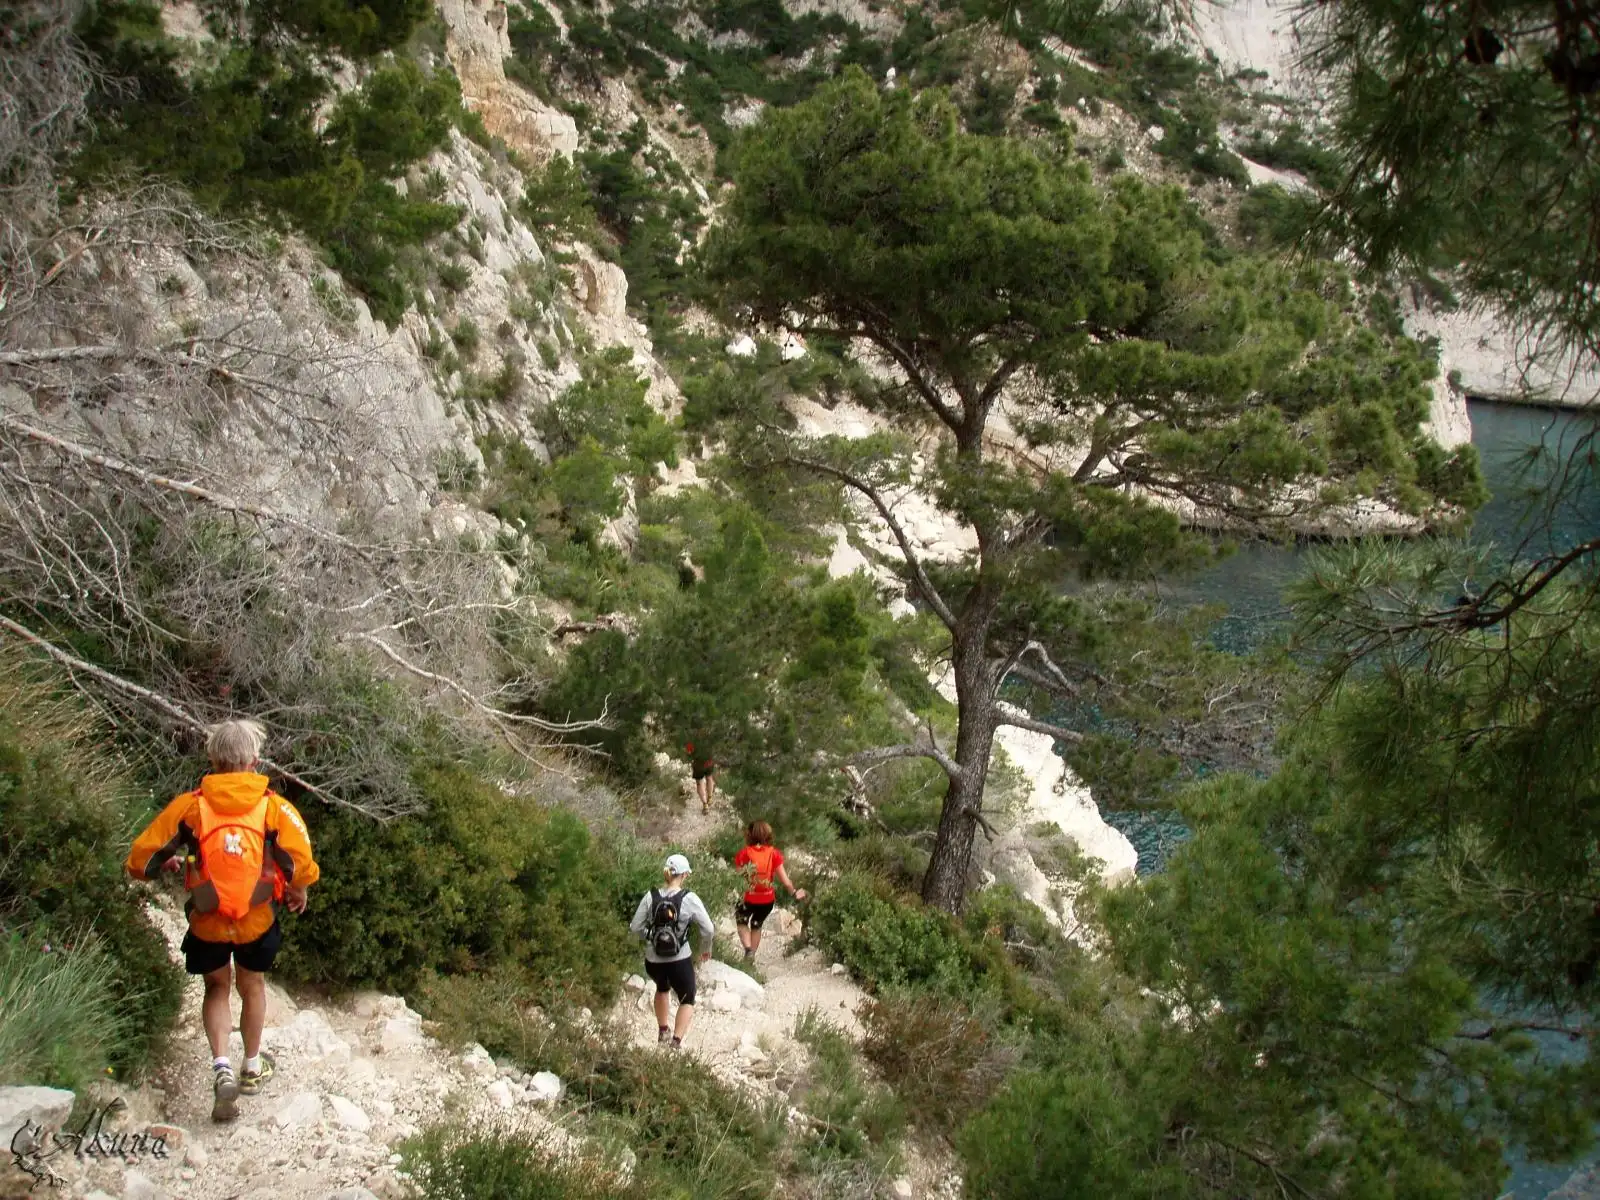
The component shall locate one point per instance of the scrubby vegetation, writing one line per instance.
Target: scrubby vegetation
(1339, 984)
(84, 977)
(243, 132)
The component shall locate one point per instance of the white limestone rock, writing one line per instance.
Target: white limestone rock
(349, 1115)
(544, 1087)
(400, 1034)
(478, 1062)
(303, 1108)
(720, 976)
(138, 1186)
(43, 1106)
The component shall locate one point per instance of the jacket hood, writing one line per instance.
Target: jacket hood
(234, 792)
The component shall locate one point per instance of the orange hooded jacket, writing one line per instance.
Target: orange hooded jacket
(176, 830)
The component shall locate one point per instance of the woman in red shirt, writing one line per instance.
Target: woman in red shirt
(762, 862)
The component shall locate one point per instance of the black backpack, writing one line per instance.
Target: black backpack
(668, 932)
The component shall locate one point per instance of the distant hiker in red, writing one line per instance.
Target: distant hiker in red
(703, 766)
(242, 848)
(762, 862)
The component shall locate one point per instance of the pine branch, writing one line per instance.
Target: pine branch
(919, 576)
(193, 491)
(1052, 678)
(162, 704)
(886, 753)
(1010, 715)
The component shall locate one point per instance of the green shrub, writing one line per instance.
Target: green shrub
(556, 202)
(466, 337)
(1272, 218)
(607, 407)
(454, 276)
(1066, 1134)
(889, 942)
(693, 1135)
(895, 860)
(585, 483)
(493, 1008)
(242, 129)
(459, 1164)
(1289, 150)
(549, 354)
(851, 1117)
(482, 880)
(65, 829)
(942, 1060)
(60, 1020)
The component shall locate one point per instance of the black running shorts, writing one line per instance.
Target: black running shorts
(752, 915)
(677, 976)
(201, 957)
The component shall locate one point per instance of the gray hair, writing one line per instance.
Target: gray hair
(235, 745)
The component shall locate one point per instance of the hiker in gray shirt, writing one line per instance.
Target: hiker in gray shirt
(662, 922)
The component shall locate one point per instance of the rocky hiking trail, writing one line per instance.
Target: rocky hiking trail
(355, 1079)
(352, 1081)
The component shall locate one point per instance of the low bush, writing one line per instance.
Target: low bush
(1271, 218)
(942, 1059)
(481, 881)
(1070, 1135)
(459, 1164)
(249, 130)
(60, 1021)
(693, 1137)
(887, 941)
(895, 860)
(65, 828)
(851, 1117)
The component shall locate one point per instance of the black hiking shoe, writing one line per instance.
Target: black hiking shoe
(664, 1036)
(225, 1107)
(250, 1081)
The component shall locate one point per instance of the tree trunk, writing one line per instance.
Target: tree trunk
(945, 884)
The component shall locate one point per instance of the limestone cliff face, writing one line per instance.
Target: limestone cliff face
(348, 420)
(477, 46)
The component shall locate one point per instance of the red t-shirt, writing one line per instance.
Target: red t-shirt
(766, 860)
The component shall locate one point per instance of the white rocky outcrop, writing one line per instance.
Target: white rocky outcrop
(719, 978)
(1255, 35)
(1482, 354)
(478, 44)
(45, 1107)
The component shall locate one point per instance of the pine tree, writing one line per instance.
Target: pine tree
(1159, 378)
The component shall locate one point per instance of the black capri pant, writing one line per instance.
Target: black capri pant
(677, 975)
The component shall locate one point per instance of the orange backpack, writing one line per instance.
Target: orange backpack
(234, 860)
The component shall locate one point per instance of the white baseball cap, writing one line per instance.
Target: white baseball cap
(677, 864)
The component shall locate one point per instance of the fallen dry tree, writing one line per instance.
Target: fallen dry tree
(213, 489)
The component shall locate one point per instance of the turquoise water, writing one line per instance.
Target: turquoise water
(1524, 451)
(1540, 504)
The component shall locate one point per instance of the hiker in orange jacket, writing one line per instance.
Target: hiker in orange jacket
(241, 848)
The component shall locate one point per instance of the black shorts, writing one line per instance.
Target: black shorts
(677, 975)
(201, 957)
(703, 771)
(752, 915)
